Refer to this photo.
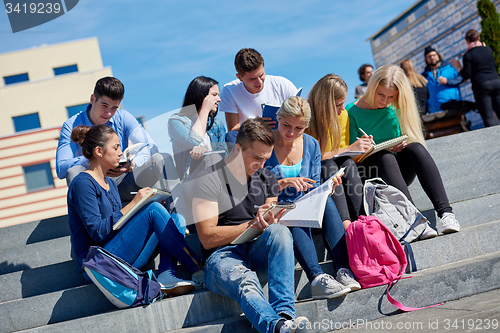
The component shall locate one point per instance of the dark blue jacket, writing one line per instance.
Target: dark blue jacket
(438, 93)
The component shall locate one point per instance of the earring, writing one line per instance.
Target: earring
(100, 155)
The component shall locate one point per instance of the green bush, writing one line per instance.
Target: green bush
(490, 27)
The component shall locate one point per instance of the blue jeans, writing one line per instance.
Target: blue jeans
(333, 237)
(137, 242)
(232, 270)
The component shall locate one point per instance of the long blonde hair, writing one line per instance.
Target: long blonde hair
(416, 79)
(393, 77)
(325, 125)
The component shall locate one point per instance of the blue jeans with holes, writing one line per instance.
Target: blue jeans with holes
(138, 240)
(333, 237)
(233, 271)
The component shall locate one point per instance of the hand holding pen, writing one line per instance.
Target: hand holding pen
(364, 143)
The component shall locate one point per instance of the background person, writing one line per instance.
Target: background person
(296, 163)
(364, 72)
(479, 66)
(442, 80)
(94, 207)
(419, 84)
(386, 111)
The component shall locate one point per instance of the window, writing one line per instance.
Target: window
(65, 69)
(16, 78)
(72, 110)
(26, 122)
(38, 177)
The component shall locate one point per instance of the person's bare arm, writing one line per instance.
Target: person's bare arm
(211, 235)
(232, 121)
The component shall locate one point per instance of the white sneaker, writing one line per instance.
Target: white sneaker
(173, 286)
(325, 286)
(298, 325)
(428, 233)
(450, 223)
(199, 278)
(346, 277)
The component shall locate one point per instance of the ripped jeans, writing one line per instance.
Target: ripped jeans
(233, 271)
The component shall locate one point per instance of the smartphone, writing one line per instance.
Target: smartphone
(278, 206)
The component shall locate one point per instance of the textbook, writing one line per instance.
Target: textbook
(350, 153)
(271, 110)
(381, 146)
(153, 195)
(127, 153)
(307, 212)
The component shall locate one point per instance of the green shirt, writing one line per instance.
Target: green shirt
(383, 124)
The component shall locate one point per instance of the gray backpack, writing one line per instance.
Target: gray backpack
(391, 206)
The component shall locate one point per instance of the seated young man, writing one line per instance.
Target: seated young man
(245, 97)
(230, 197)
(148, 165)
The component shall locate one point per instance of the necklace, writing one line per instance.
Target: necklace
(287, 154)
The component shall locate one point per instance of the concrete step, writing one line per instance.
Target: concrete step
(189, 313)
(34, 232)
(476, 313)
(469, 165)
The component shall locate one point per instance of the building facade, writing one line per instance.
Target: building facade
(39, 89)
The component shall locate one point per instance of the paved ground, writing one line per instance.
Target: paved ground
(478, 313)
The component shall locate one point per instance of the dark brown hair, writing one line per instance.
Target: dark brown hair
(253, 130)
(247, 60)
(110, 87)
(361, 71)
(471, 36)
(90, 137)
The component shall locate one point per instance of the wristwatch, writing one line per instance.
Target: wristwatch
(132, 167)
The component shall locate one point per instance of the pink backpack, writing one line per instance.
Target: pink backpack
(375, 255)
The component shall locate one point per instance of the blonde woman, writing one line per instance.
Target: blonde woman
(419, 84)
(388, 110)
(296, 163)
(330, 126)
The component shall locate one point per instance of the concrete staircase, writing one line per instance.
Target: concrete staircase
(41, 291)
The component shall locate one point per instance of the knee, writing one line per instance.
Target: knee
(416, 148)
(279, 234)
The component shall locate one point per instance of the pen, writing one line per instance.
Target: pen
(365, 134)
(133, 192)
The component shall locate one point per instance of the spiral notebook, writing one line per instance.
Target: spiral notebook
(381, 146)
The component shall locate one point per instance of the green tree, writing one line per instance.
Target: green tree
(490, 27)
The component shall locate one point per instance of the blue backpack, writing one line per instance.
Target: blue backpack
(125, 286)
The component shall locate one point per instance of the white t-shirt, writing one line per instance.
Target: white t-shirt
(235, 98)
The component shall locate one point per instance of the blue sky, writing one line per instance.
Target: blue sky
(157, 47)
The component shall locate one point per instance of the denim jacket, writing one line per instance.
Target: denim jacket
(311, 168)
(184, 139)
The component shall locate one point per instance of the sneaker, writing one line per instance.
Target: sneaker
(298, 325)
(173, 286)
(325, 286)
(346, 277)
(428, 233)
(199, 278)
(450, 223)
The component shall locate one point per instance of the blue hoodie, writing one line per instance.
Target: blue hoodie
(438, 93)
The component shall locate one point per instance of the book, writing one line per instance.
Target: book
(349, 153)
(128, 152)
(153, 195)
(270, 111)
(381, 146)
(308, 211)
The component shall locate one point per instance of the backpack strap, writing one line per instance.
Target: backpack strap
(401, 306)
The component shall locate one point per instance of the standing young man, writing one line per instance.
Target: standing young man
(245, 97)
(230, 197)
